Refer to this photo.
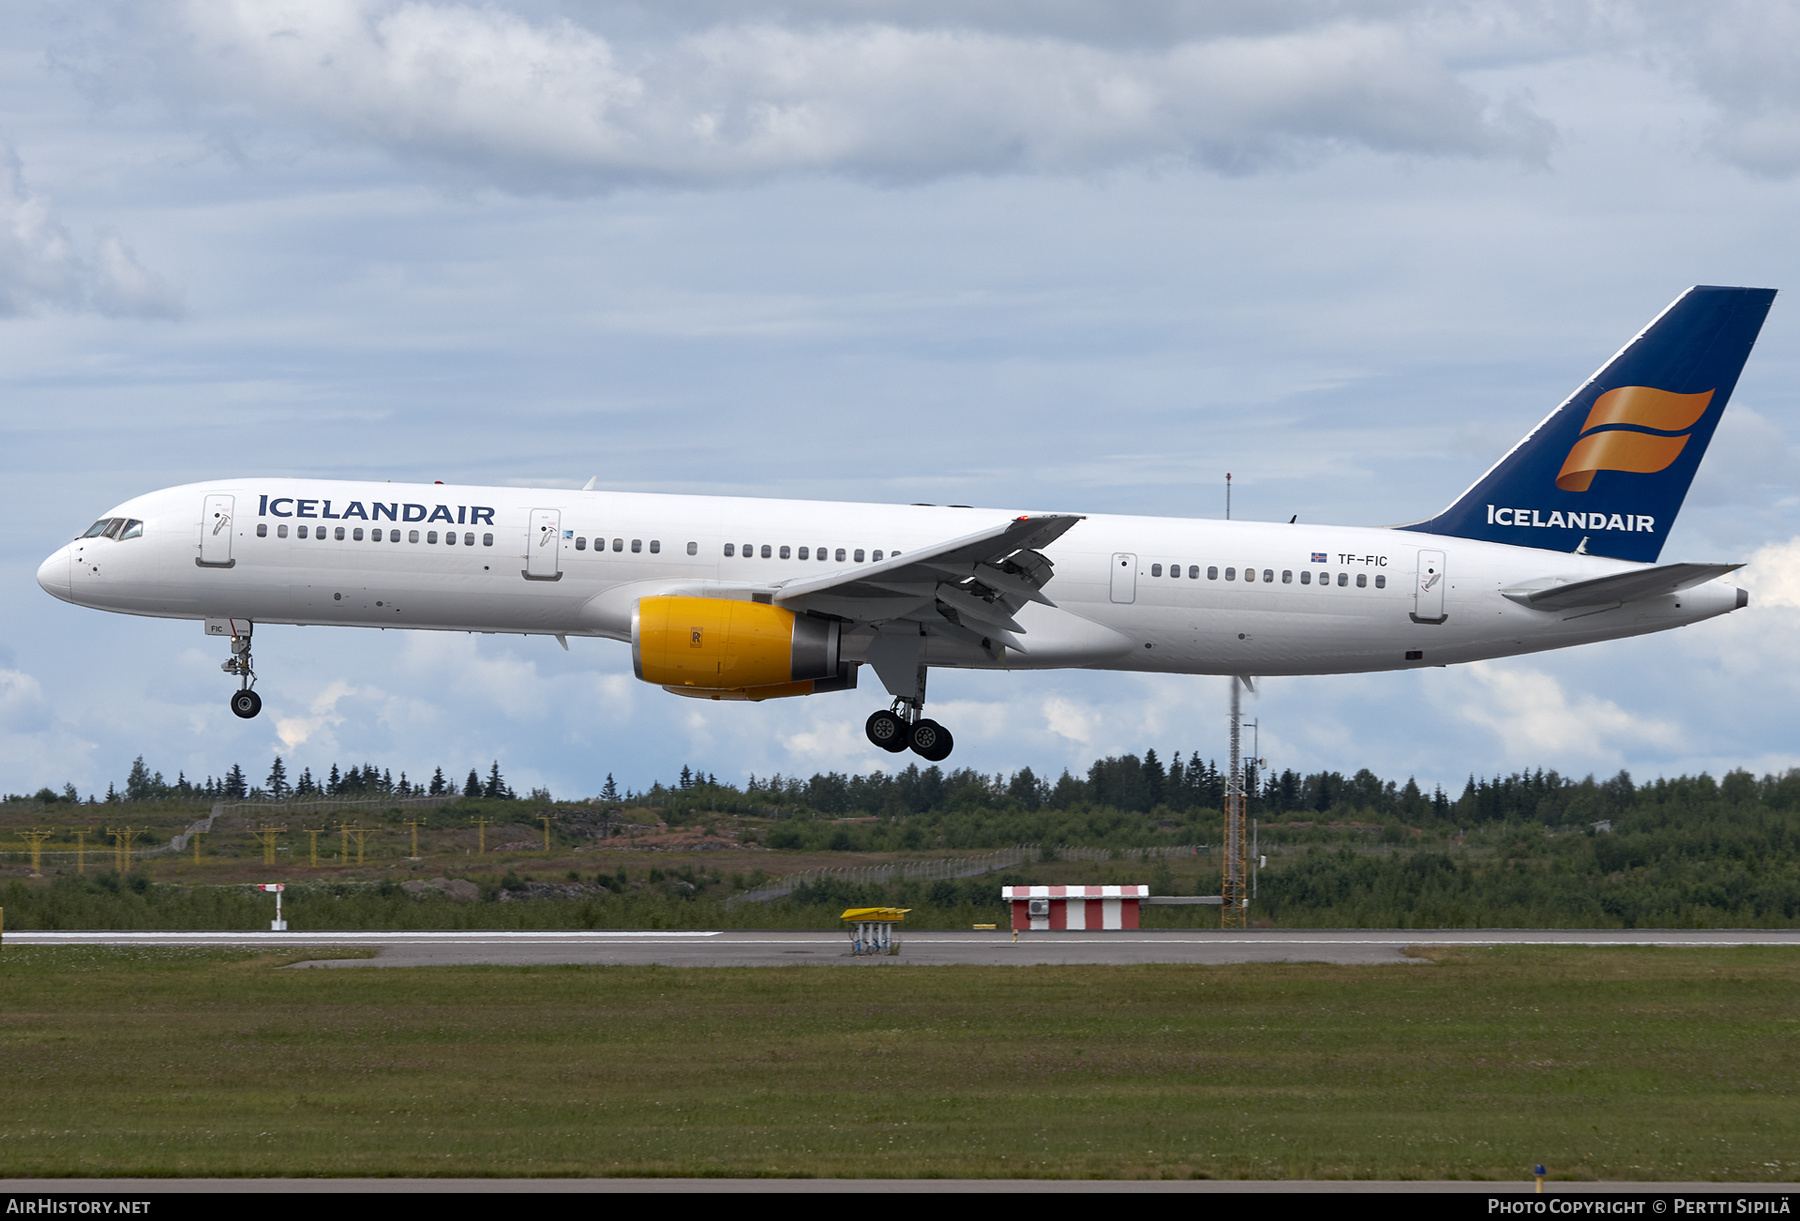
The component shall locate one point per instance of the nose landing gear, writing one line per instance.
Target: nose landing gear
(245, 702)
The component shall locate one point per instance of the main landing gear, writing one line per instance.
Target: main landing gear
(902, 728)
(245, 702)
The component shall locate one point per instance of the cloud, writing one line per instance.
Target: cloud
(554, 103)
(293, 731)
(41, 267)
(1744, 58)
(1537, 720)
(1773, 575)
(22, 705)
(1068, 719)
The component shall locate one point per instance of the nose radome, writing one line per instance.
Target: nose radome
(53, 575)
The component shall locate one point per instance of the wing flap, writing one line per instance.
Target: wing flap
(982, 577)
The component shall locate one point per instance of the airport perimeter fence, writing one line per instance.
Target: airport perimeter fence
(950, 867)
(872, 875)
(100, 850)
(1066, 853)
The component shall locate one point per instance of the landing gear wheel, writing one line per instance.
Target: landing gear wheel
(246, 703)
(931, 741)
(887, 731)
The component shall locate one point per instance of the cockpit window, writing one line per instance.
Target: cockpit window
(113, 527)
(133, 529)
(100, 527)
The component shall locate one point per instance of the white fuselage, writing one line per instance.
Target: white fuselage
(1358, 608)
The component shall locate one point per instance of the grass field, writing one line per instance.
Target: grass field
(1631, 1064)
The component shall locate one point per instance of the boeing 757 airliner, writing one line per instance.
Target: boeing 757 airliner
(745, 599)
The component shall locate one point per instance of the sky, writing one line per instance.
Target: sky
(1046, 255)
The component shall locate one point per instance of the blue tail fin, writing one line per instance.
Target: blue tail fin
(1607, 471)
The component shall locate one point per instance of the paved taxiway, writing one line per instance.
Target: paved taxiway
(743, 948)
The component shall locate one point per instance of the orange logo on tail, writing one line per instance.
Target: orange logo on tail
(1640, 453)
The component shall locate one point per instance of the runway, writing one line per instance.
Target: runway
(747, 948)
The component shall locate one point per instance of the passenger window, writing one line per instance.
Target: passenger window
(1268, 574)
(1362, 580)
(876, 556)
(822, 553)
(469, 540)
(655, 546)
(1287, 576)
(431, 536)
(338, 534)
(786, 552)
(356, 534)
(637, 546)
(133, 529)
(859, 555)
(449, 537)
(1212, 573)
(487, 540)
(765, 551)
(1380, 581)
(693, 548)
(281, 531)
(1306, 578)
(580, 542)
(301, 531)
(262, 529)
(412, 536)
(1193, 572)
(1249, 574)
(840, 555)
(1324, 578)
(618, 544)
(730, 550)
(802, 554)
(1156, 570)
(1343, 578)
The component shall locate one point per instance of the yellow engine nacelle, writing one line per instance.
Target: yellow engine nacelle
(721, 648)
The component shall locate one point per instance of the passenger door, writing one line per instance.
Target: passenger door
(1124, 577)
(1428, 588)
(543, 546)
(216, 529)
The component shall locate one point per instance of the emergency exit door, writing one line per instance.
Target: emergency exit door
(1124, 577)
(543, 547)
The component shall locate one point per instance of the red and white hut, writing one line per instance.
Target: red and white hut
(1074, 907)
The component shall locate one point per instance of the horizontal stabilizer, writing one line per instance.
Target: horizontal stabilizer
(1558, 594)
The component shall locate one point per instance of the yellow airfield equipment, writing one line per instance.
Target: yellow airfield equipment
(872, 929)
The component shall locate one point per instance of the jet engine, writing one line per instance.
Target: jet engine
(723, 648)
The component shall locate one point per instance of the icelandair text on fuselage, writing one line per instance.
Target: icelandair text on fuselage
(1679, 1205)
(1632, 522)
(289, 506)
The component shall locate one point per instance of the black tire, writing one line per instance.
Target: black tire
(931, 741)
(246, 703)
(886, 731)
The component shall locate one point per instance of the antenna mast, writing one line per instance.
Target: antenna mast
(1233, 912)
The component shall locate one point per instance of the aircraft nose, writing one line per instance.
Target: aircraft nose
(53, 575)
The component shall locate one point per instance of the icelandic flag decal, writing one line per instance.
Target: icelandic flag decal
(1318, 557)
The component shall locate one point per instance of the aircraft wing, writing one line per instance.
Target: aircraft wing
(970, 586)
(1619, 587)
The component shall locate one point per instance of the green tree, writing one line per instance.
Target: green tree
(277, 783)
